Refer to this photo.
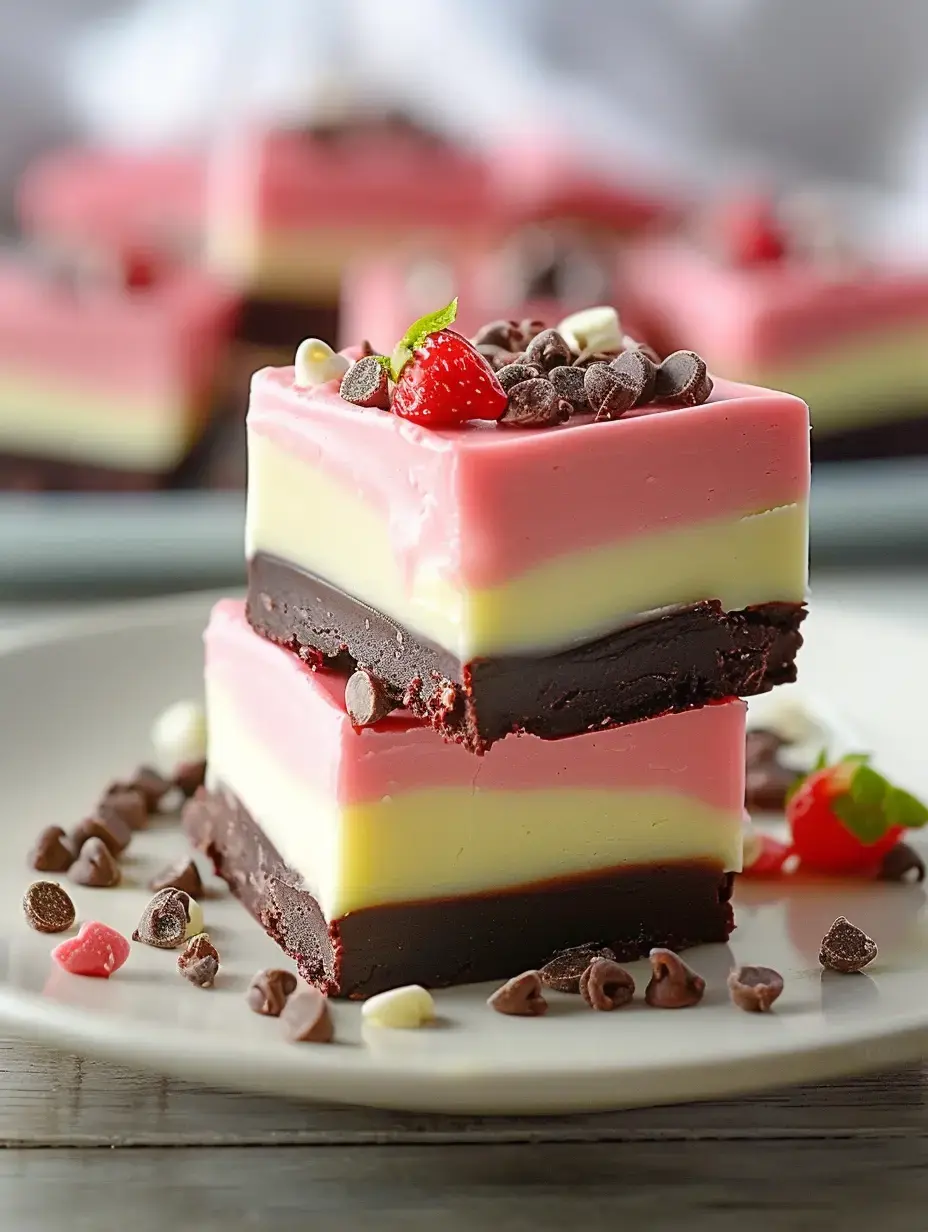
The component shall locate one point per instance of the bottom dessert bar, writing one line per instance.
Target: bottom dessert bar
(438, 942)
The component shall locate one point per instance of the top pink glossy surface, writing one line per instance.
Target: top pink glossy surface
(299, 715)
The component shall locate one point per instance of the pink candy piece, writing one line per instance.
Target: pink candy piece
(97, 950)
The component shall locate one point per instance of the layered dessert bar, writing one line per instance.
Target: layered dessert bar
(627, 554)
(382, 855)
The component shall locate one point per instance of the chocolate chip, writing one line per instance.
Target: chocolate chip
(549, 350)
(153, 786)
(569, 383)
(111, 830)
(631, 344)
(609, 394)
(846, 948)
(682, 379)
(767, 784)
(605, 985)
(563, 971)
(902, 863)
(366, 349)
(529, 329)
(199, 961)
(521, 996)
(128, 804)
(514, 374)
(495, 356)
(368, 699)
(592, 355)
(760, 745)
(367, 384)
(96, 865)
(673, 985)
(182, 875)
(269, 990)
(640, 370)
(52, 852)
(305, 1018)
(48, 908)
(505, 335)
(754, 988)
(188, 777)
(164, 921)
(535, 404)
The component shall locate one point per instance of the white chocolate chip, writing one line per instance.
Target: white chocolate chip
(317, 364)
(194, 919)
(405, 1008)
(596, 329)
(178, 735)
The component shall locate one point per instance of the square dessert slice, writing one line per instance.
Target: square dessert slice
(383, 855)
(552, 580)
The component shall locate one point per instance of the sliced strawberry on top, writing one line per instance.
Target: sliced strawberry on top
(441, 380)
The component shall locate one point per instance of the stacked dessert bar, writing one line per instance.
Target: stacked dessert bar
(482, 702)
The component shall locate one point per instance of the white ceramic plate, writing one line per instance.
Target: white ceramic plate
(76, 708)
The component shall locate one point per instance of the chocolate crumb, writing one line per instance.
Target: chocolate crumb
(604, 985)
(164, 921)
(522, 996)
(563, 971)
(268, 992)
(569, 383)
(549, 349)
(95, 865)
(641, 371)
(182, 875)
(535, 404)
(48, 907)
(504, 335)
(682, 379)
(126, 803)
(609, 394)
(188, 777)
(846, 948)
(754, 988)
(673, 985)
(306, 1019)
(902, 863)
(111, 830)
(367, 384)
(368, 699)
(199, 961)
(514, 374)
(52, 852)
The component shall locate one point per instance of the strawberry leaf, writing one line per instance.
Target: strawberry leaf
(871, 805)
(417, 333)
(904, 809)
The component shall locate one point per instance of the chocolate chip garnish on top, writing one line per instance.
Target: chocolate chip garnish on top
(53, 852)
(604, 985)
(846, 948)
(549, 349)
(569, 383)
(640, 370)
(673, 985)
(182, 875)
(368, 699)
(268, 992)
(563, 971)
(902, 863)
(682, 379)
(609, 394)
(535, 404)
(95, 866)
(164, 921)
(754, 988)
(367, 384)
(521, 997)
(515, 373)
(495, 356)
(48, 907)
(506, 335)
(592, 355)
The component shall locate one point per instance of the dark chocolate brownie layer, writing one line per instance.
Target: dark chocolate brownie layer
(673, 662)
(457, 940)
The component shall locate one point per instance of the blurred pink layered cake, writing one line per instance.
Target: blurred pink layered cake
(107, 375)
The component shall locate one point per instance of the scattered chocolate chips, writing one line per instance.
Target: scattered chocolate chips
(515, 373)
(570, 385)
(48, 908)
(504, 335)
(522, 996)
(609, 394)
(153, 786)
(183, 875)
(53, 851)
(604, 985)
(592, 355)
(366, 383)
(563, 971)
(495, 356)
(846, 948)
(535, 404)
(902, 863)
(127, 804)
(306, 1019)
(549, 349)
(164, 921)
(199, 962)
(754, 988)
(111, 830)
(640, 370)
(368, 699)
(673, 985)
(269, 990)
(682, 379)
(95, 865)
(188, 777)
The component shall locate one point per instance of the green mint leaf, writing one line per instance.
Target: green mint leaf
(821, 761)
(865, 824)
(385, 363)
(860, 759)
(904, 809)
(417, 333)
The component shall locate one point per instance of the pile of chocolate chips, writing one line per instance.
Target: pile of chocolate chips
(547, 381)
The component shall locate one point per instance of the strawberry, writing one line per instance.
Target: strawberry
(441, 380)
(750, 232)
(845, 817)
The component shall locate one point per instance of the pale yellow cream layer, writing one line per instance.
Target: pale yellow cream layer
(456, 840)
(757, 558)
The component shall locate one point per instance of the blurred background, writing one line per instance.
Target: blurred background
(187, 190)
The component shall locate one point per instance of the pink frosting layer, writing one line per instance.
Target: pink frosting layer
(299, 716)
(482, 504)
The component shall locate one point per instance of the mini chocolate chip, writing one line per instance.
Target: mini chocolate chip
(48, 908)
(112, 830)
(569, 384)
(900, 862)
(506, 335)
(592, 355)
(640, 370)
(95, 865)
(632, 344)
(754, 988)
(515, 374)
(164, 921)
(495, 356)
(52, 852)
(535, 404)
(269, 990)
(182, 875)
(564, 969)
(126, 803)
(306, 1019)
(199, 961)
(521, 996)
(153, 786)
(368, 699)
(605, 985)
(367, 384)
(673, 985)
(529, 329)
(609, 394)
(682, 379)
(846, 948)
(188, 776)
(548, 349)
